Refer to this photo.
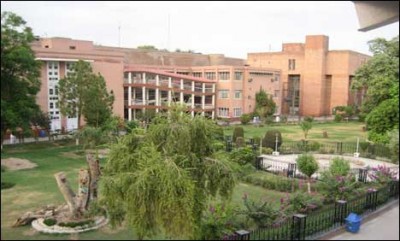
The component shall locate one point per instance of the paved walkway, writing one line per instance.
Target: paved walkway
(383, 227)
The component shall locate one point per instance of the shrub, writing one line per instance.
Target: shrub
(237, 132)
(308, 118)
(131, 125)
(307, 164)
(339, 167)
(261, 213)
(50, 221)
(217, 145)
(382, 174)
(243, 155)
(269, 120)
(266, 150)
(240, 142)
(337, 187)
(394, 145)
(313, 146)
(217, 222)
(306, 126)
(245, 119)
(270, 139)
(6, 185)
(338, 117)
(300, 202)
(284, 118)
(257, 140)
(76, 224)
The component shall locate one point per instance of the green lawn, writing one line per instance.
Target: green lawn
(343, 131)
(37, 187)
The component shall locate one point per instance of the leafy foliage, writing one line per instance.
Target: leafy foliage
(217, 222)
(307, 164)
(337, 187)
(382, 174)
(97, 107)
(84, 93)
(394, 145)
(300, 202)
(162, 179)
(237, 132)
(243, 155)
(19, 73)
(269, 139)
(265, 105)
(262, 213)
(339, 167)
(381, 76)
(245, 119)
(306, 127)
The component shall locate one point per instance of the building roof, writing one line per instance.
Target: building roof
(160, 72)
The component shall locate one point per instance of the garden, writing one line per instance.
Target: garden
(262, 200)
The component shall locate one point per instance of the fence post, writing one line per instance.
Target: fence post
(258, 163)
(340, 211)
(394, 189)
(299, 227)
(362, 175)
(291, 170)
(371, 200)
(243, 234)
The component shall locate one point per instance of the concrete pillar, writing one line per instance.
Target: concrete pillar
(129, 96)
(169, 91)
(157, 92)
(144, 92)
(181, 96)
(192, 98)
(203, 98)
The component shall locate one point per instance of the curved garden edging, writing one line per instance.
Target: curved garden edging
(41, 227)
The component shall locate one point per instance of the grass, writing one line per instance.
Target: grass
(37, 187)
(337, 132)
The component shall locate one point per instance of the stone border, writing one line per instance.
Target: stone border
(41, 227)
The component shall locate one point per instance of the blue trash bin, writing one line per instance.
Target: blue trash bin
(353, 222)
(42, 133)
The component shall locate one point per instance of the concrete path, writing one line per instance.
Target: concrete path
(383, 227)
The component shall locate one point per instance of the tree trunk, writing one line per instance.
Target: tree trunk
(94, 172)
(82, 200)
(67, 192)
(309, 186)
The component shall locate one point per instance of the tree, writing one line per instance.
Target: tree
(245, 119)
(265, 105)
(305, 126)
(308, 166)
(97, 108)
(43, 120)
(381, 76)
(19, 74)
(147, 47)
(163, 179)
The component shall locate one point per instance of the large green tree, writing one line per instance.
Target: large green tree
(97, 108)
(83, 93)
(19, 74)
(265, 105)
(380, 75)
(162, 179)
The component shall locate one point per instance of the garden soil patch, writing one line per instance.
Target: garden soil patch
(17, 163)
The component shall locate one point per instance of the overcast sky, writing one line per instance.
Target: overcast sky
(230, 28)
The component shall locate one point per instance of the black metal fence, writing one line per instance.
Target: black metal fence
(312, 226)
(367, 150)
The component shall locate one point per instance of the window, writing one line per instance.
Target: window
(223, 75)
(223, 94)
(197, 74)
(56, 90)
(237, 112)
(223, 112)
(51, 105)
(50, 91)
(238, 94)
(210, 75)
(72, 47)
(46, 46)
(292, 64)
(238, 76)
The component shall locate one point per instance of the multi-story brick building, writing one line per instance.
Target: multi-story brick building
(305, 79)
(314, 78)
